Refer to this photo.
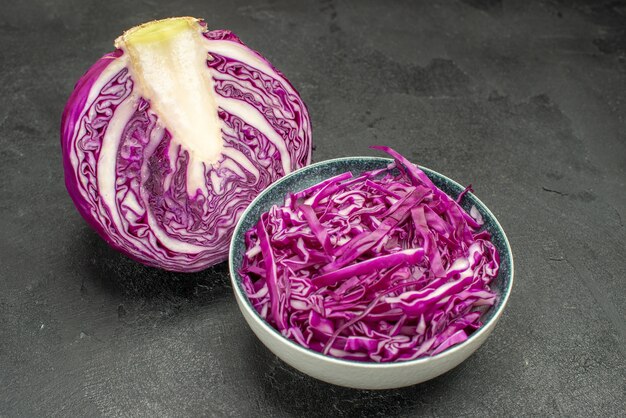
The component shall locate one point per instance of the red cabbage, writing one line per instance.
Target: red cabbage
(168, 139)
(380, 267)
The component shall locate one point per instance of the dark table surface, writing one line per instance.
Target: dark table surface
(525, 100)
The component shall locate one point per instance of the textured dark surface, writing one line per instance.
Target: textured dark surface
(526, 100)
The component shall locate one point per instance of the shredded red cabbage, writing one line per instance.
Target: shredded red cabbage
(379, 267)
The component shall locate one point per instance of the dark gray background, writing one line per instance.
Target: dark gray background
(526, 100)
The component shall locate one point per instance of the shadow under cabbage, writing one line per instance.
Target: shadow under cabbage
(115, 273)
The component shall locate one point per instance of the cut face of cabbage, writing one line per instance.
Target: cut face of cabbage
(168, 139)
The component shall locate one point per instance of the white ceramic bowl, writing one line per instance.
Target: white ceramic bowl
(355, 374)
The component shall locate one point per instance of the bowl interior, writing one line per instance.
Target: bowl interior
(313, 174)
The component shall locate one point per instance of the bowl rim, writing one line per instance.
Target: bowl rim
(240, 295)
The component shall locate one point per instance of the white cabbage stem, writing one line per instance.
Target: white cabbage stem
(167, 62)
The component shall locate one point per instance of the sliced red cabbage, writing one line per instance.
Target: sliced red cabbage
(382, 267)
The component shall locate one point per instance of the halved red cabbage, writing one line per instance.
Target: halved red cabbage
(380, 267)
(168, 139)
